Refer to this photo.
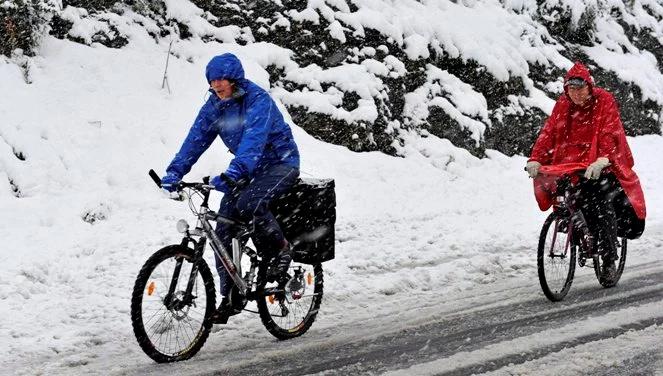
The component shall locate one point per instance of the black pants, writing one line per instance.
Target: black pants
(596, 200)
(609, 213)
(251, 204)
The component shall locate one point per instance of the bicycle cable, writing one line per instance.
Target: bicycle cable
(192, 207)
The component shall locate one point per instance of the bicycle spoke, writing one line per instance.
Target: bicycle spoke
(557, 266)
(162, 310)
(177, 331)
(297, 310)
(172, 331)
(556, 257)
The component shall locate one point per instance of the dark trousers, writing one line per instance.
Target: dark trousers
(251, 204)
(596, 201)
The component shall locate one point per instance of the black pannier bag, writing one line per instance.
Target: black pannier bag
(629, 226)
(307, 215)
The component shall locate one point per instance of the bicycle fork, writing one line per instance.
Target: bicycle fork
(567, 243)
(232, 266)
(170, 301)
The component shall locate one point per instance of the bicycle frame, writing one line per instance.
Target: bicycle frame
(555, 270)
(204, 231)
(180, 330)
(565, 204)
(233, 267)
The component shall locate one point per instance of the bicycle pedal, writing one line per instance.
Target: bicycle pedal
(280, 279)
(219, 318)
(235, 311)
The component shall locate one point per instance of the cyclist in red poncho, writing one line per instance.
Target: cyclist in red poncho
(585, 127)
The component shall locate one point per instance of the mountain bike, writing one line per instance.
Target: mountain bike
(566, 237)
(174, 294)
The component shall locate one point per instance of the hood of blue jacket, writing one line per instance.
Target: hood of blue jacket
(226, 66)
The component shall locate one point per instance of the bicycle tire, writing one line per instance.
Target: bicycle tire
(544, 258)
(612, 282)
(266, 314)
(141, 288)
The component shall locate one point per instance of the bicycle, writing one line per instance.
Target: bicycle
(174, 295)
(565, 237)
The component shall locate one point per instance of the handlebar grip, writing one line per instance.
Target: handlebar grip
(156, 178)
(231, 183)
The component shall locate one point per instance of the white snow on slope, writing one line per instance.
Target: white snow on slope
(502, 37)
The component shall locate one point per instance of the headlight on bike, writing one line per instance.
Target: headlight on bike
(182, 226)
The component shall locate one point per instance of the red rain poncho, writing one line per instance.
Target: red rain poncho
(576, 135)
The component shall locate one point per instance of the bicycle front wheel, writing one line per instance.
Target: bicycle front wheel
(288, 309)
(556, 258)
(170, 325)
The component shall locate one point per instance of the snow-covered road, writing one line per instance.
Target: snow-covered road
(502, 329)
(505, 329)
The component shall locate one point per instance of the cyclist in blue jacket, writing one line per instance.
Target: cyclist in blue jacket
(266, 156)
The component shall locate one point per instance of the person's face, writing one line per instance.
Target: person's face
(578, 94)
(223, 88)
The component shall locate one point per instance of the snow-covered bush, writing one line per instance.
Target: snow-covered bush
(22, 23)
(365, 73)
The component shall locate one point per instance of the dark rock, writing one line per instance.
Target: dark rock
(510, 127)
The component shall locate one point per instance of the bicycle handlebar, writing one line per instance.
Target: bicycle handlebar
(156, 178)
(205, 188)
(575, 172)
(239, 184)
(181, 185)
(231, 183)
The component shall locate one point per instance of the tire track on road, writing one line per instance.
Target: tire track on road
(465, 332)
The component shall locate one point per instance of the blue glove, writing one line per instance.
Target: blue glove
(233, 172)
(170, 181)
(220, 184)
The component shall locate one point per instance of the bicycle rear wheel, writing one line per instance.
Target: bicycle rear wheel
(611, 281)
(168, 327)
(289, 309)
(556, 258)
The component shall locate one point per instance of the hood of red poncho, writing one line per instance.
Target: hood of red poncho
(579, 70)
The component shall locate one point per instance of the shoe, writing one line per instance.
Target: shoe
(279, 265)
(225, 310)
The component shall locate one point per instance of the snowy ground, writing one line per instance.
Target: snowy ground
(80, 139)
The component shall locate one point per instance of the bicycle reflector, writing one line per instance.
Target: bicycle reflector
(309, 278)
(182, 226)
(150, 288)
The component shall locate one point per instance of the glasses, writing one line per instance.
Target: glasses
(576, 82)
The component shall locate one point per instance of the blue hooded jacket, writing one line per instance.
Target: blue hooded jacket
(249, 123)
